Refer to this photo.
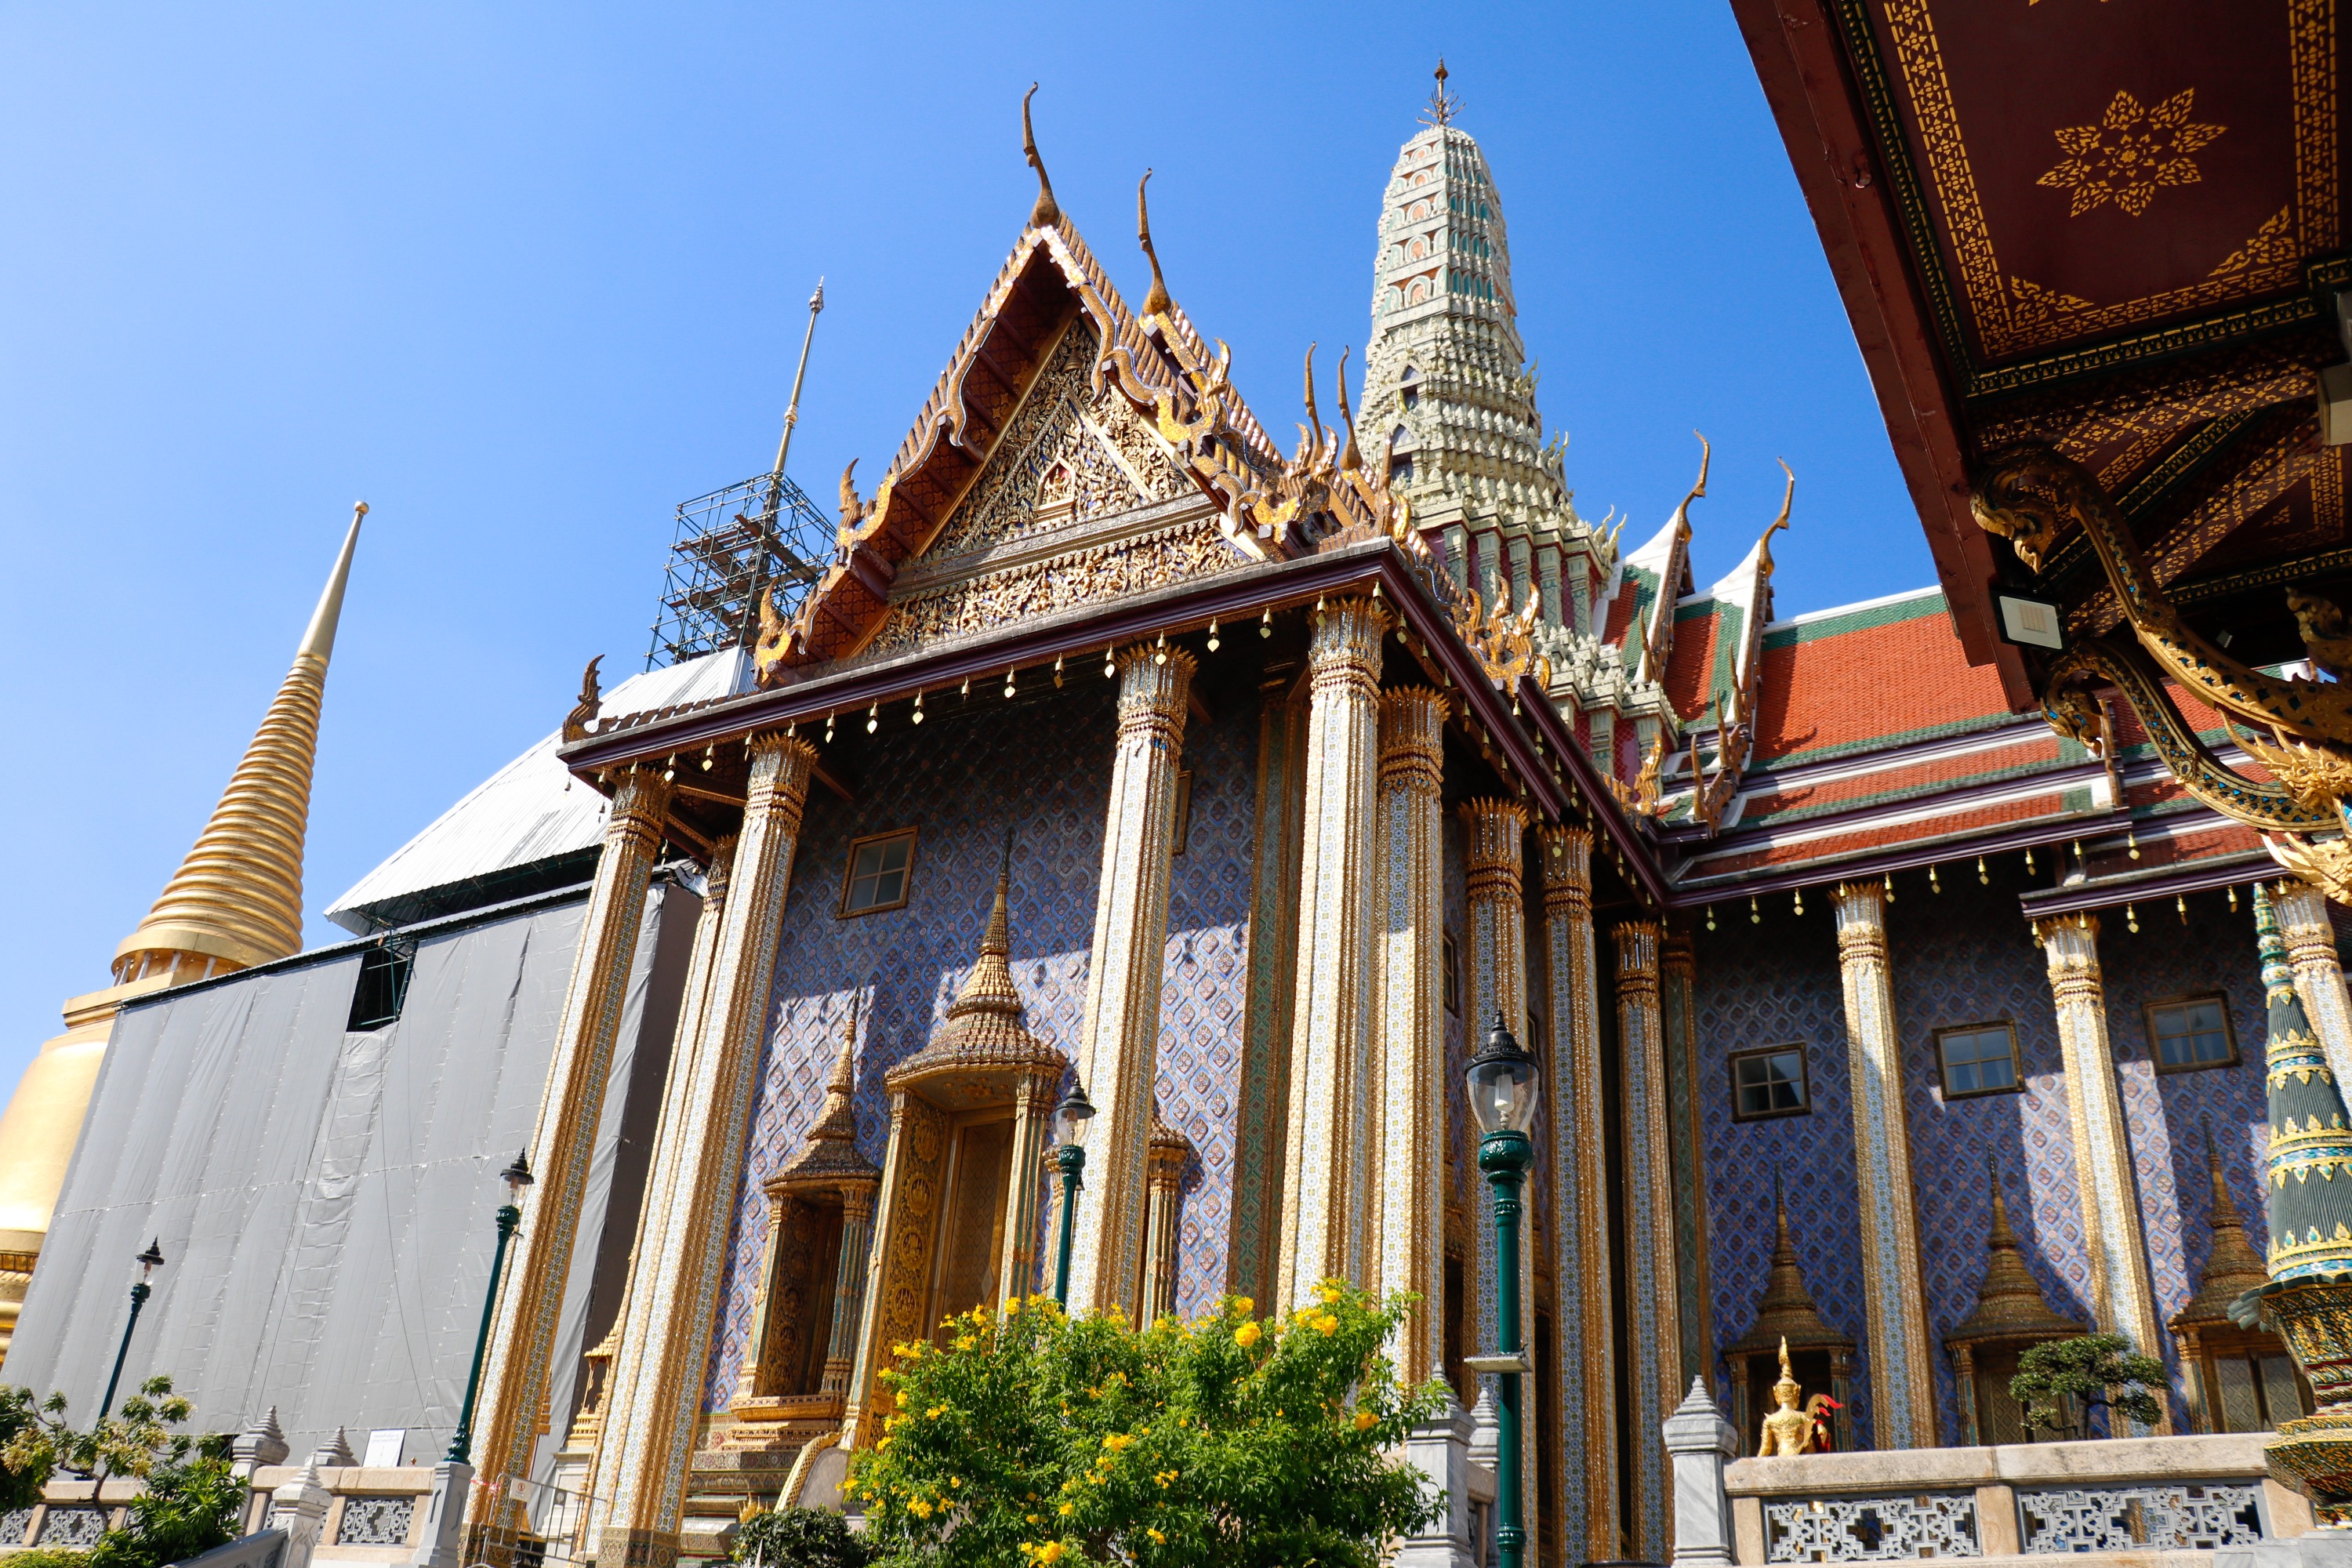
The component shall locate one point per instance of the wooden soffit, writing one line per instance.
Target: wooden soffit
(2117, 227)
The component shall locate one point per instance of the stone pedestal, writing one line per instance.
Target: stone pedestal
(1699, 1443)
(444, 1517)
(1441, 1452)
(299, 1509)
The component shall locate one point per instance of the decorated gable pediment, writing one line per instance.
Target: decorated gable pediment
(1082, 502)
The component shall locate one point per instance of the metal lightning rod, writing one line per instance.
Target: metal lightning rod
(793, 410)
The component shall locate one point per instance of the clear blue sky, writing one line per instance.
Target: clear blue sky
(525, 276)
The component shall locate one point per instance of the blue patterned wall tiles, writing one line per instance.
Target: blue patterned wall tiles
(2166, 960)
(951, 781)
(1966, 956)
(1773, 983)
(1205, 992)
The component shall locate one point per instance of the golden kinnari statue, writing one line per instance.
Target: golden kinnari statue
(1788, 1430)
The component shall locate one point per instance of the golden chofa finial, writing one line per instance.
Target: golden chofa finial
(1349, 457)
(1788, 497)
(1156, 302)
(1047, 210)
(853, 510)
(1312, 431)
(1442, 105)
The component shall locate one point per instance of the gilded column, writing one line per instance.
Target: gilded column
(1902, 1368)
(1651, 1292)
(2121, 1291)
(1573, 1105)
(514, 1387)
(690, 1189)
(1410, 1059)
(1262, 1112)
(1325, 1160)
(1496, 980)
(632, 1322)
(2318, 973)
(848, 1289)
(1033, 1120)
(1123, 979)
(1163, 1231)
(1678, 974)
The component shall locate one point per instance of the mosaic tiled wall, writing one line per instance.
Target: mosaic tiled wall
(952, 780)
(1207, 984)
(2167, 959)
(1765, 984)
(1965, 956)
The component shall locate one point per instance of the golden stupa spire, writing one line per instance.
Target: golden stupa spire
(988, 987)
(236, 900)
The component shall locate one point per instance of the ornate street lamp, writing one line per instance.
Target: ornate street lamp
(149, 1261)
(1070, 1119)
(517, 1176)
(1502, 1084)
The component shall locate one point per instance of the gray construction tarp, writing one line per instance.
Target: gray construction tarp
(325, 1198)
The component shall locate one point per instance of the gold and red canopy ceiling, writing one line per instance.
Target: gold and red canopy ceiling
(2114, 228)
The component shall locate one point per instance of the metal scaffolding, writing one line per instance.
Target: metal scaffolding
(761, 535)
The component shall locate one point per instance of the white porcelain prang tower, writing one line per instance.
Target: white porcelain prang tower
(1448, 398)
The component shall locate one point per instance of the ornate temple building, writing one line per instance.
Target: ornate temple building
(1114, 744)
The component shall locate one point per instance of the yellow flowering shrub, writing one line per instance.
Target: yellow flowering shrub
(1169, 1446)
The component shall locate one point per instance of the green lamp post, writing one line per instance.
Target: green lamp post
(517, 1176)
(1502, 1084)
(1070, 1119)
(149, 1261)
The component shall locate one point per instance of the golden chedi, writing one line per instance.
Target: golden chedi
(236, 901)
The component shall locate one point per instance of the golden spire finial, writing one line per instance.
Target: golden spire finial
(1349, 457)
(236, 900)
(1442, 105)
(1047, 210)
(1155, 303)
(1787, 1374)
(988, 987)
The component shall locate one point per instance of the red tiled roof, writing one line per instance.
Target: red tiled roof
(1690, 666)
(1883, 678)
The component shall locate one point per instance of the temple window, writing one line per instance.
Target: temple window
(1977, 1058)
(2192, 1033)
(1768, 1082)
(382, 985)
(878, 870)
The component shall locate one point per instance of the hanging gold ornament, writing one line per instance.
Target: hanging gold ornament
(1983, 876)
(1933, 885)
(1710, 915)
(1801, 900)
(1754, 916)
(1265, 623)
(919, 707)
(1212, 634)
(873, 718)
(2131, 918)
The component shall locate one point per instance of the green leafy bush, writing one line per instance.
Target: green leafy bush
(798, 1538)
(1034, 1437)
(192, 1502)
(2097, 1371)
(48, 1557)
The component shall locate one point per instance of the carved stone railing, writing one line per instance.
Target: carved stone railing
(2089, 1502)
(375, 1515)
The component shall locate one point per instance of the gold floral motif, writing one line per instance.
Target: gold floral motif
(2273, 244)
(1106, 572)
(2130, 152)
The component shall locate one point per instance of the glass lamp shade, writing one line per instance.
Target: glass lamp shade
(1502, 1083)
(1071, 1117)
(517, 1176)
(151, 1259)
